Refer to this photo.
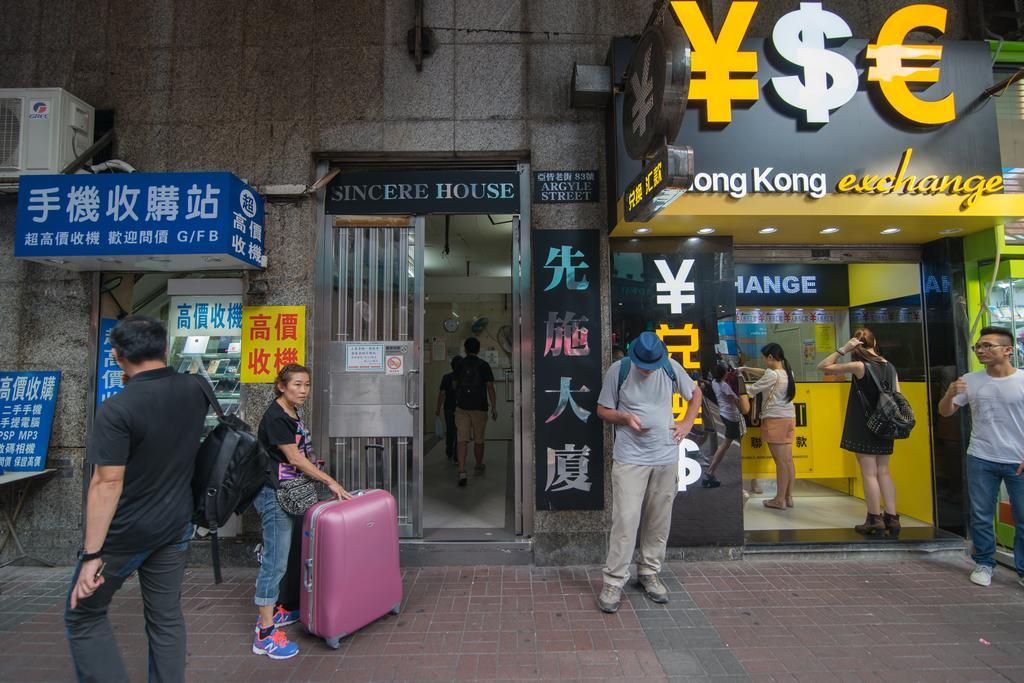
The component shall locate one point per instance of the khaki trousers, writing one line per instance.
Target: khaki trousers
(641, 494)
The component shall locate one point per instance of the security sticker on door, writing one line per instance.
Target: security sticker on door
(364, 358)
(394, 365)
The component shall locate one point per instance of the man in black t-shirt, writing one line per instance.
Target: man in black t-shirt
(138, 515)
(475, 387)
(446, 397)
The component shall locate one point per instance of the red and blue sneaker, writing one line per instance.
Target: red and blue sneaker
(274, 644)
(283, 617)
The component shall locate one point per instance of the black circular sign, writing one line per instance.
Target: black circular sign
(644, 88)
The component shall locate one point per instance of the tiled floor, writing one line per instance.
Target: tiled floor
(816, 507)
(479, 504)
(732, 621)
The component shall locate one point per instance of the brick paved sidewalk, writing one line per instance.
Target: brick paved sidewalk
(727, 621)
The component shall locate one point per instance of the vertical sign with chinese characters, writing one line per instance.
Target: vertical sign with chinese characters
(567, 310)
(272, 337)
(108, 372)
(683, 295)
(27, 402)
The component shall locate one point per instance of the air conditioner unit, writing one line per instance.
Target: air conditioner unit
(42, 130)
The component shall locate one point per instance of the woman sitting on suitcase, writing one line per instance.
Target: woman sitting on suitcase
(289, 445)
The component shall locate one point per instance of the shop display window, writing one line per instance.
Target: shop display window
(807, 335)
(217, 359)
(1006, 309)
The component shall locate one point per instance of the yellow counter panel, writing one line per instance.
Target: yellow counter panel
(821, 412)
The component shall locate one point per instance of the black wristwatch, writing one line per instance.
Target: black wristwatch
(85, 557)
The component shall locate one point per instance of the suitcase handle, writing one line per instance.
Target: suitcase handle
(308, 580)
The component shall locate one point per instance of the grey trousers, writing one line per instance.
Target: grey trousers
(93, 649)
(642, 497)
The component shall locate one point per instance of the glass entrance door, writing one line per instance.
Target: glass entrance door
(373, 383)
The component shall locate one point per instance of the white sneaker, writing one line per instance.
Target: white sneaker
(982, 575)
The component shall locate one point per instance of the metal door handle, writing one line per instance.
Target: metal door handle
(509, 377)
(309, 575)
(409, 384)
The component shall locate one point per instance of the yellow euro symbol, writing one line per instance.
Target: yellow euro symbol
(719, 59)
(893, 75)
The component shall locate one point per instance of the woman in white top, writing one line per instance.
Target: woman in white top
(731, 408)
(778, 419)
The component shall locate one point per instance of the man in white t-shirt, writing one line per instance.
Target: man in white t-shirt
(996, 397)
(645, 471)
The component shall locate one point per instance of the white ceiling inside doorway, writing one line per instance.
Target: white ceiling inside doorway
(485, 242)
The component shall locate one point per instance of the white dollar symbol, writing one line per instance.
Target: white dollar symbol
(799, 37)
(689, 469)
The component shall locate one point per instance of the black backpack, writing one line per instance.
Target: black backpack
(231, 468)
(470, 384)
(892, 418)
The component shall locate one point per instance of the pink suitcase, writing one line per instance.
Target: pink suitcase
(350, 567)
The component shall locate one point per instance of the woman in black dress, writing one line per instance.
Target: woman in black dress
(872, 452)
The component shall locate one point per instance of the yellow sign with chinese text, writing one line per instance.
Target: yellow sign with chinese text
(825, 337)
(272, 337)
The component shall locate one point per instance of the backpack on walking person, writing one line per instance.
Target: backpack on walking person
(470, 385)
(231, 468)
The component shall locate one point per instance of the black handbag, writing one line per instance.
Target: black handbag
(892, 417)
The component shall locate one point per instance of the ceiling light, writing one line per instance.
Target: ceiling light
(829, 231)
(641, 231)
(705, 231)
(107, 259)
(213, 259)
(768, 230)
(891, 231)
(950, 231)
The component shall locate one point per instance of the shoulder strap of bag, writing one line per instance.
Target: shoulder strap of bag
(210, 397)
(623, 374)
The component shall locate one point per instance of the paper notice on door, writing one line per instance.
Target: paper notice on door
(438, 351)
(364, 358)
(394, 365)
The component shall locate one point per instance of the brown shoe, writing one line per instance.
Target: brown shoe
(892, 524)
(608, 600)
(872, 525)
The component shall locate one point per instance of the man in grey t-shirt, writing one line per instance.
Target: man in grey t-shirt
(645, 472)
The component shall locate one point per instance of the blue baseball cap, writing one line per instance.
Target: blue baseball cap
(648, 351)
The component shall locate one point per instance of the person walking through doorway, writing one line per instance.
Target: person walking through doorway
(446, 397)
(872, 451)
(996, 449)
(731, 408)
(778, 419)
(475, 391)
(139, 510)
(645, 468)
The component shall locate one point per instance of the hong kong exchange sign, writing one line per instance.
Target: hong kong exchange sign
(426, 191)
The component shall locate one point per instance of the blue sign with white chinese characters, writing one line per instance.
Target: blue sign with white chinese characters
(108, 372)
(76, 219)
(27, 402)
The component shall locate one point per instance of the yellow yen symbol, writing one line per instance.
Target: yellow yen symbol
(893, 74)
(719, 59)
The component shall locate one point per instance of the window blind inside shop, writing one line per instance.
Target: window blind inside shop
(1010, 113)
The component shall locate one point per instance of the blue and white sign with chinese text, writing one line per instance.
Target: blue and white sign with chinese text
(151, 221)
(27, 402)
(108, 372)
(205, 316)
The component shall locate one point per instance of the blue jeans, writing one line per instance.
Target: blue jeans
(983, 479)
(94, 651)
(278, 527)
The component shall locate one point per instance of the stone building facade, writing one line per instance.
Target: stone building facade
(267, 89)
